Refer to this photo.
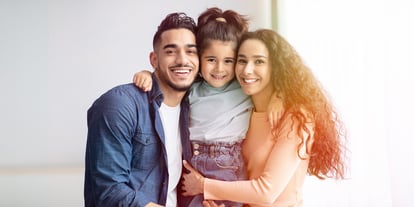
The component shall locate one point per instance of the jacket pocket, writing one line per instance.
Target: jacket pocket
(146, 151)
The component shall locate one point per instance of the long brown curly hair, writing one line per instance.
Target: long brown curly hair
(304, 98)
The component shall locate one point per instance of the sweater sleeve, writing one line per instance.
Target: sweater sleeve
(278, 170)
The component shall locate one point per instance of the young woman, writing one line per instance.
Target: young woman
(307, 138)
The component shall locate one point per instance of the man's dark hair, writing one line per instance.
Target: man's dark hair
(174, 21)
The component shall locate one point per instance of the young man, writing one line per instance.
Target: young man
(131, 133)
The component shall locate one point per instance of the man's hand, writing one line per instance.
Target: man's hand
(210, 203)
(151, 204)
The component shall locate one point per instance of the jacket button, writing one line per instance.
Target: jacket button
(196, 152)
(196, 146)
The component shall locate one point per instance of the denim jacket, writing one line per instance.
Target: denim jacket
(126, 161)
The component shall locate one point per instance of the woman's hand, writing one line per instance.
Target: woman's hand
(143, 80)
(193, 182)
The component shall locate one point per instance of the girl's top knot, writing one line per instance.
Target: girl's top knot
(220, 19)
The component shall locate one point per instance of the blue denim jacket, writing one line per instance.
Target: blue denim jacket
(125, 162)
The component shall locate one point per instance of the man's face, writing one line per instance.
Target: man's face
(175, 60)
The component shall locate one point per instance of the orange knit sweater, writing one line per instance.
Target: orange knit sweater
(276, 173)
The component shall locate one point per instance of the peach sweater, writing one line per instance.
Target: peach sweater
(276, 173)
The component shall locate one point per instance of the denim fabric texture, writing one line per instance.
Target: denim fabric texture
(219, 160)
(125, 162)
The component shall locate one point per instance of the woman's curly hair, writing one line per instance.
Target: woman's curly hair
(305, 99)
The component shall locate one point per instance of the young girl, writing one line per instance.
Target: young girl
(220, 111)
(308, 136)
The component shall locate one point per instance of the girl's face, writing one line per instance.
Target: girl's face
(254, 68)
(217, 63)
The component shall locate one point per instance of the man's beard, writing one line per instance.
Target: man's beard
(164, 78)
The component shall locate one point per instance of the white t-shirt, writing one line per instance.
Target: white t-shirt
(170, 117)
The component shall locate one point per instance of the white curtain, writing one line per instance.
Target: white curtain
(350, 46)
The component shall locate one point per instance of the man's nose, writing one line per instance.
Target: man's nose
(182, 58)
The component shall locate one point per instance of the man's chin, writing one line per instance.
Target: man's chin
(180, 88)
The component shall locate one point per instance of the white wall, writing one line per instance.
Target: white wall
(361, 51)
(56, 58)
(399, 102)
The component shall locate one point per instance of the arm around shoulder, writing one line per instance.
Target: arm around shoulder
(143, 80)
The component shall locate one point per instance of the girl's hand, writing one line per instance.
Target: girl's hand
(275, 110)
(143, 80)
(193, 182)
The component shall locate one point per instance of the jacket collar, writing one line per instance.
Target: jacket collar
(155, 94)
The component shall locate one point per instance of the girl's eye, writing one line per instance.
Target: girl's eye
(211, 60)
(229, 61)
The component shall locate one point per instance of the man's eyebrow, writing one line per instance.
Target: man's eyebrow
(170, 46)
(175, 46)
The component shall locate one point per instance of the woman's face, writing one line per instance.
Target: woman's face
(217, 63)
(253, 68)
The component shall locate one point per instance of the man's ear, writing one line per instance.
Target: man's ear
(153, 60)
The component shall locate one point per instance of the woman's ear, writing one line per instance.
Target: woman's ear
(153, 60)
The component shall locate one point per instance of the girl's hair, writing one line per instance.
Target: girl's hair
(214, 24)
(303, 98)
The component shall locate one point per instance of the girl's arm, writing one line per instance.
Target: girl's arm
(143, 80)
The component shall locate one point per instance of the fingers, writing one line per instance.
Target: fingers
(141, 81)
(271, 120)
(210, 203)
(146, 84)
(185, 193)
(188, 166)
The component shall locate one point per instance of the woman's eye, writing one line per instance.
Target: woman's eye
(241, 61)
(258, 61)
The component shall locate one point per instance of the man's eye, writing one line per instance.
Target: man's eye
(169, 51)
